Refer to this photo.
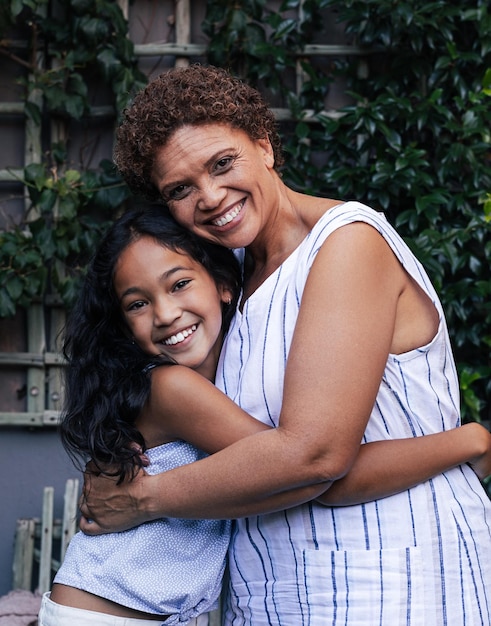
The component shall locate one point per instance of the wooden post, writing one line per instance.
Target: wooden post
(70, 509)
(23, 554)
(183, 28)
(35, 315)
(46, 541)
(36, 343)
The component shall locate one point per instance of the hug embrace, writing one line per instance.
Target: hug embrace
(302, 386)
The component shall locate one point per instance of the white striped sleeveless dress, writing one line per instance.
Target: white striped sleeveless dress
(419, 558)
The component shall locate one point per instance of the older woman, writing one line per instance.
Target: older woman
(339, 338)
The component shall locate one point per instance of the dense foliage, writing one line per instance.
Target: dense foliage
(413, 140)
(68, 208)
(416, 143)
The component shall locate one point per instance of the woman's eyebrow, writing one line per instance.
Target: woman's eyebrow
(208, 163)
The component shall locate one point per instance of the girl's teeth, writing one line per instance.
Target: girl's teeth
(177, 338)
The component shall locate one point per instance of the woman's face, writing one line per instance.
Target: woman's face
(217, 182)
(170, 304)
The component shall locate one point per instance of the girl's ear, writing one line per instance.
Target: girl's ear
(226, 295)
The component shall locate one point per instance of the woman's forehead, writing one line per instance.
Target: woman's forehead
(195, 133)
(195, 146)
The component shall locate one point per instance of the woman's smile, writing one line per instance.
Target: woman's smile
(214, 178)
(229, 216)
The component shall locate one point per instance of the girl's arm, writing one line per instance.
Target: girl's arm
(185, 405)
(342, 338)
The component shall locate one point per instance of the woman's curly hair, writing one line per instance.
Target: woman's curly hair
(192, 95)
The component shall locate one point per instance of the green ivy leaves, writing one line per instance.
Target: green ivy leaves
(256, 42)
(85, 37)
(22, 276)
(416, 143)
(68, 214)
(68, 209)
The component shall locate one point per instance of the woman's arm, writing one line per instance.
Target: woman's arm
(383, 468)
(343, 335)
(380, 469)
(211, 421)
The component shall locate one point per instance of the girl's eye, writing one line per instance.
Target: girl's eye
(134, 306)
(181, 284)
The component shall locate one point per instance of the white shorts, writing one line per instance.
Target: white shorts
(52, 614)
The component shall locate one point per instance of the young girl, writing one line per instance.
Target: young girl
(155, 296)
(152, 296)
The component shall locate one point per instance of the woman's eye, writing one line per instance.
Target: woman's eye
(177, 193)
(224, 163)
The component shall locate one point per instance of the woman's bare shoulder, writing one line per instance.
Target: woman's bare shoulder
(312, 208)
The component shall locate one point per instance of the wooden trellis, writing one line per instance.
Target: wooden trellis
(35, 539)
(42, 361)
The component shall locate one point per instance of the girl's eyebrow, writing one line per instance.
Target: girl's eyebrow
(129, 292)
(164, 276)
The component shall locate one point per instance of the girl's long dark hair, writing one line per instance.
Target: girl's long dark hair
(106, 376)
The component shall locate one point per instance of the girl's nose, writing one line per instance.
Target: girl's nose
(165, 312)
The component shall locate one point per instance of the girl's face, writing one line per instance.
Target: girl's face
(171, 304)
(217, 182)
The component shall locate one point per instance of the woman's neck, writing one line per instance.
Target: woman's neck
(289, 224)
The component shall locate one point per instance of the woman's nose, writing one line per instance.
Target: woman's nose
(210, 195)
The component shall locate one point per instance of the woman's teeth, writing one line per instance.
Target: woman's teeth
(228, 217)
(181, 336)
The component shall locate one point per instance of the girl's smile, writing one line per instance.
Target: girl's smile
(180, 336)
(171, 304)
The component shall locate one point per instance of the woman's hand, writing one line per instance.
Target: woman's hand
(107, 507)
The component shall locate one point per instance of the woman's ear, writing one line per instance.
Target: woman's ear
(267, 150)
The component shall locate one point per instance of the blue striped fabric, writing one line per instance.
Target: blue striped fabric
(422, 557)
